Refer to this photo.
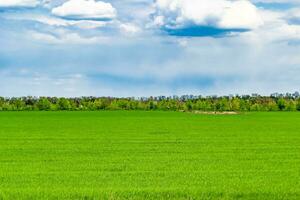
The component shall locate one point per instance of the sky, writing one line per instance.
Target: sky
(127, 48)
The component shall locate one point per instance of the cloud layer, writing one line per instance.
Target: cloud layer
(140, 47)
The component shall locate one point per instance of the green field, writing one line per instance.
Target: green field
(149, 155)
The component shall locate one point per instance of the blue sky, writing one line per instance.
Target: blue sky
(145, 48)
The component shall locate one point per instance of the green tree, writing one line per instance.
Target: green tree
(298, 105)
(255, 107)
(64, 104)
(113, 105)
(281, 103)
(291, 105)
(235, 104)
(98, 104)
(189, 105)
(43, 104)
(2, 101)
(123, 104)
(17, 104)
(272, 106)
(152, 105)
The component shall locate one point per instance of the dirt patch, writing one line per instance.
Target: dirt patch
(215, 113)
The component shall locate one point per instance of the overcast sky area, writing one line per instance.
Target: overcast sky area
(147, 48)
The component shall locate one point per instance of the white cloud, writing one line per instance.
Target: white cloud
(56, 21)
(218, 13)
(65, 37)
(85, 9)
(130, 29)
(18, 3)
(293, 15)
(265, 25)
(83, 24)
(276, 28)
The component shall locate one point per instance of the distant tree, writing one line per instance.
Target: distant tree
(43, 104)
(272, 106)
(54, 107)
(173, 105)
(133, 105)
(123, 104)
(152, 105)
(6, 106)
(224, 104)
(227, 103)
(255, 107)
(235, 104)
(98, 104)
(2, 101)
(244, 105)
(189, 105)
(298, 105)
(281, 103)
(64, 104)
(17, 104)
(114, 105)
(74, 104)
(291, 105)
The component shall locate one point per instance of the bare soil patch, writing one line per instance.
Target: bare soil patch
(215, 113)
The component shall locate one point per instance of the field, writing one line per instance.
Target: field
(149, 155)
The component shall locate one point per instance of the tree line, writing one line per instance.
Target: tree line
(184, 103)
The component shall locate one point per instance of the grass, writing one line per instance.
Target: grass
(149, 155)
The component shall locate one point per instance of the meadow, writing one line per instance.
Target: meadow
(149, 155)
